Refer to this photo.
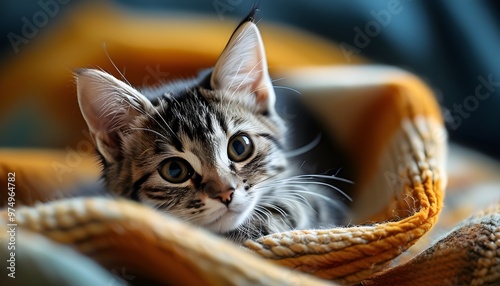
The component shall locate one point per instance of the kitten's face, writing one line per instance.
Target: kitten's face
(207, 164)
(198, 152)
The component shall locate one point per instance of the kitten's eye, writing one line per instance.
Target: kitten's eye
(240, 148)
(175, 170)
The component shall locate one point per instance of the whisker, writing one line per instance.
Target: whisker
(292, 196)
(274, 207)
(116, 68)
(287, 88)
(326, 185)
(150, 130)
(324, 177)
(261, 212)
(304, 149)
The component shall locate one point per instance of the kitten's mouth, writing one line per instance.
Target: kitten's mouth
(227, 221)
(230, 218)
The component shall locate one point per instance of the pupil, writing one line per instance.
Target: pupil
(239, 147)
(175, 170)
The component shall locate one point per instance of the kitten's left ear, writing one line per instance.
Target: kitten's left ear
(109, 106)
(242, 69)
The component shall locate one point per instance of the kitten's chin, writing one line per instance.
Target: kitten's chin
(230, 219)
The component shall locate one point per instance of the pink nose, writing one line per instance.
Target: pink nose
(213, 190)
(226, 197)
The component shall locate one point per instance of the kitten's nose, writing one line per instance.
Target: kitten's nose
(226, 197)
(213, 190)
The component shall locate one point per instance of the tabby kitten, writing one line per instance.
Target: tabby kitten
(210, 150)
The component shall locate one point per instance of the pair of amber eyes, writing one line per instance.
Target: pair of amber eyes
(177, 170)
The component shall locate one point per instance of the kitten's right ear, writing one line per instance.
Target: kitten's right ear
(241, 70)
(109, 106)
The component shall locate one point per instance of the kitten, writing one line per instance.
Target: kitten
(210, 150)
